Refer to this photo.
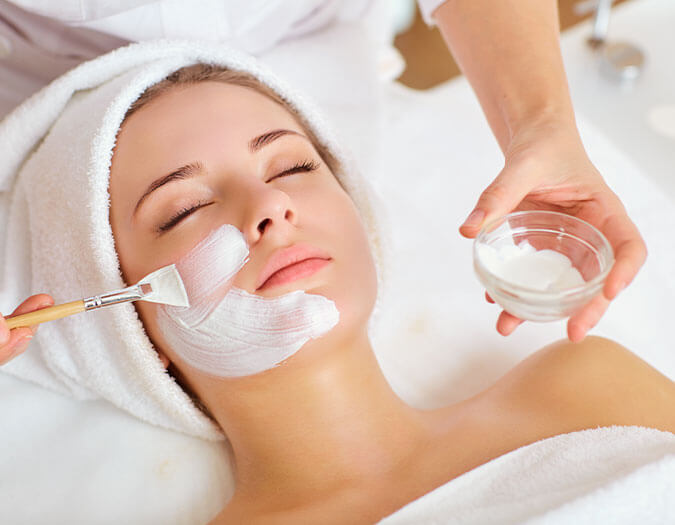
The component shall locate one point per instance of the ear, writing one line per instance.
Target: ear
(164, 359)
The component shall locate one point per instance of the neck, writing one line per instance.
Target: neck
(325, 418)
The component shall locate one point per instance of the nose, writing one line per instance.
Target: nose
(271, 214)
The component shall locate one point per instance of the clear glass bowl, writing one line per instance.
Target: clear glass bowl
(587, 249)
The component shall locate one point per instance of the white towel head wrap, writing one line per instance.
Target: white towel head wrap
(56, 150)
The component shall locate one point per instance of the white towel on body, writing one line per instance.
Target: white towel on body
(618, 475)
(56, 150)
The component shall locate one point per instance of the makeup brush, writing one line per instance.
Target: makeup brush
(161, 286)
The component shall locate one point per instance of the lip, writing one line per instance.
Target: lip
(290, 264)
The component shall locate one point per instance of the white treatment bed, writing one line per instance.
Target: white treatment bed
(66, 462)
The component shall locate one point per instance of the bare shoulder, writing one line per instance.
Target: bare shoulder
(573, 386)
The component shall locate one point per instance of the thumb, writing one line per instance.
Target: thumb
(508, 189)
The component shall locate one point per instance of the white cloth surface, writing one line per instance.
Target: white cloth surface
(250, 25)
(41, 39)
(34, 50)
(68, 462)
(605, 475)
(436, 344)
(57, 149)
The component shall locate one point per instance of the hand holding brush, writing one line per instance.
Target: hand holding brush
(163, 286)
(14, 341)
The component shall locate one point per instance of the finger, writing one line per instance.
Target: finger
(18, 342)
(4, 331)
(629, 258)
(581, 322)
(499, 198)
(34, 302)
(489, 299)
(630, 253)
(507, 323)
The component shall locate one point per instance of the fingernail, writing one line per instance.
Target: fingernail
(475, 219)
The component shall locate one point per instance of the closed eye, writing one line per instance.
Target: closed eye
(300, 167)
(180, 215)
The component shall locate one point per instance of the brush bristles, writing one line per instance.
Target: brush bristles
(167, 287)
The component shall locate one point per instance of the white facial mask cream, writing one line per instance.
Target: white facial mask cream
(229, 332)
(523, 265)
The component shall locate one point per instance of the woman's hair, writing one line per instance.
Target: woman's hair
(194, 74)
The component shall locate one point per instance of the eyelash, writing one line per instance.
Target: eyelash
(180, 215)
(300, 167)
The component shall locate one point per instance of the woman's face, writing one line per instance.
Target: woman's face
(233, 156)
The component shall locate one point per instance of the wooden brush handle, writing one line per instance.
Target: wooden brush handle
(46, 314)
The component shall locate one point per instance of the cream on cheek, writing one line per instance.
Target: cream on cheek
(228, 332)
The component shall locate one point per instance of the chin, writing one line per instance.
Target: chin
(326, 349)
(355, 308)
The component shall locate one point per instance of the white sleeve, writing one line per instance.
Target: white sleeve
(252, 25)
(427, 7)
(78, 11)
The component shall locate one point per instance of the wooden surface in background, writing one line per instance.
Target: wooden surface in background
(428, 61)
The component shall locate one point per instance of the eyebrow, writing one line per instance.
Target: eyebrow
(184, 172)
(196, 168)
(259, 142)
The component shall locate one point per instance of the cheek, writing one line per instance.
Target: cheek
(239, 333)
(208, 269)
(360, 287)
(339, 226)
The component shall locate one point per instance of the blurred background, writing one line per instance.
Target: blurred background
(620, 69)
(428, 61)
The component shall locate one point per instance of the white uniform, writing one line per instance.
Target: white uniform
(41, 39)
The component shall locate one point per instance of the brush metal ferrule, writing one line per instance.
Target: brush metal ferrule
(132, 293)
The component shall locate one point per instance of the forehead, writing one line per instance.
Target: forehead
(206, 107)
(195, 122)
